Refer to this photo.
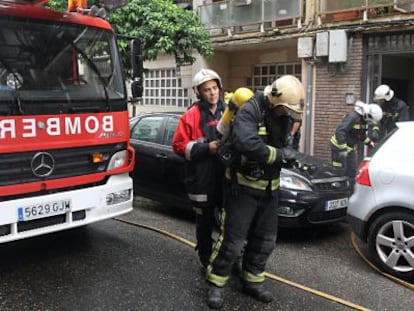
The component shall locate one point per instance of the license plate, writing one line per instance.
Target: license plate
(43, 210)
(336, 204)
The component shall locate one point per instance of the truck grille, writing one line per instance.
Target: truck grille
(16, 168)
(49, 221)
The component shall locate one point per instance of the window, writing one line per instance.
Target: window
(170, 130)
(146, 129)
(265, 74)
(163, 88)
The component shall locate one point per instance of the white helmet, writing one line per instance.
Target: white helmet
(205, 75)
(370, 112)
(287, 91)
(383, 92)
(360, 107)
(373, 113)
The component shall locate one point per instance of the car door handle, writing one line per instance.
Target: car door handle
(160, 156)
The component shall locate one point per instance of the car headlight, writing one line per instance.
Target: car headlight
(292, 182)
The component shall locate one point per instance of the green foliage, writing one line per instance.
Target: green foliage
(61, 5)
(161, 26)
(58, 5)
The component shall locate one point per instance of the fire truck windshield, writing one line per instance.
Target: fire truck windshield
(53, 68)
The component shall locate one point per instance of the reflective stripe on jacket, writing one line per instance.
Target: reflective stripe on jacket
(259, 162)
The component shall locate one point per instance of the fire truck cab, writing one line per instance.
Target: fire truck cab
(65, 156)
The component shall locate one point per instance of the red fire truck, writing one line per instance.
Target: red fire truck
(65, 156)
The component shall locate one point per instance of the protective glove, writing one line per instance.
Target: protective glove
(375, 135)
(289, 156)
(289, 139)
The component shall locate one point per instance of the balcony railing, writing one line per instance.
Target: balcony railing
(362, 9)
(246, 15)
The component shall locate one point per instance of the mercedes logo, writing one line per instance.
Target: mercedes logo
(42, 164)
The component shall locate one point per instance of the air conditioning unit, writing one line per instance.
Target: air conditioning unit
(322, 44)
(241, 2)
(305, 47)
(337, 46)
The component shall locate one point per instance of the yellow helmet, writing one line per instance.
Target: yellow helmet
(287, 91)
(241, 96)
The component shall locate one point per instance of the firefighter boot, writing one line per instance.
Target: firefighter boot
(215, 297)
(257, 291)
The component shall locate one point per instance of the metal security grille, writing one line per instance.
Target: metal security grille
(163, 88)
(265, 74)
(390, 43)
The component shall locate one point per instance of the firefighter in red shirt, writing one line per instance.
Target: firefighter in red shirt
(196, 139)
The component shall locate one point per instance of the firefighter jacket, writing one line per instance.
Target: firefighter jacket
(395, 110)
(352, 130)
(256, 136)
(203, 171)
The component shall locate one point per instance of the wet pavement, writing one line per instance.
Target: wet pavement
(113, 265)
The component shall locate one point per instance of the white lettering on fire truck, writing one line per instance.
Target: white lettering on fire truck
(57, 126)
(29, 128)
(7, 126)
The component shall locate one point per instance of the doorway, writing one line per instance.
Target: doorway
(390, 60)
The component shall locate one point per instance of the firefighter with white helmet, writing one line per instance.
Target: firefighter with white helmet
(394, 109)
(251, 191)
(287, 91)
(196, 140)
(289, 83)
(360, 125)
(383, 92)
(203, 76)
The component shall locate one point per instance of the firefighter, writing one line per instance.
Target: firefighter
(394, 109)
(196, 139)
(251, 188)
(354, 128)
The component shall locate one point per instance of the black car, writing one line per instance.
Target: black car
(312, 193)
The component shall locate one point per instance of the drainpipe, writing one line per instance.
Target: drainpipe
(309, 108)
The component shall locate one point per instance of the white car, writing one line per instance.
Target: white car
(381, 209)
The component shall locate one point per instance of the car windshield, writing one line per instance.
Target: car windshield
(44, 62)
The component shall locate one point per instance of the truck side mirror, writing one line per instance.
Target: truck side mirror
(137, 89)
(137, 59)
(137, 86)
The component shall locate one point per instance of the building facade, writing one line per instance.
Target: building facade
(341, 50)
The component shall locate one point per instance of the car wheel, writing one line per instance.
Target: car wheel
(391, 244)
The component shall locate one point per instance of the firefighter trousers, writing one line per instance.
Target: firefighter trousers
(348, 164)
(204, 230)
(250, 221)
